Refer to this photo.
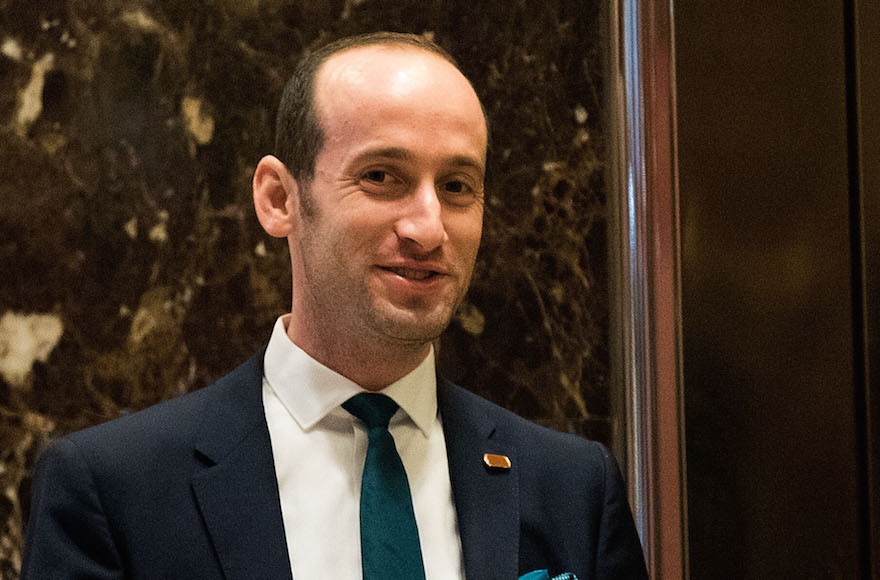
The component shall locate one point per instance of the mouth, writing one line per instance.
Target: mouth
(413, 273)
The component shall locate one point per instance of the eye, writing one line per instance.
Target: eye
(381, 182)
(460, 191)
(375, 175)
(455, 187)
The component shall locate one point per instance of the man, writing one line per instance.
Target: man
(378, 189)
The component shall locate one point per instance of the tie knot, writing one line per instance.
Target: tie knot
(373, 409)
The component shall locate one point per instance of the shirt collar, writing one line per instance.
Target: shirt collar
(310, 391)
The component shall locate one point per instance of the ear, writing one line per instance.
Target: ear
(275, 197)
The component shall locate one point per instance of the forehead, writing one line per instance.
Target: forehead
(363, 80)
(394, 63)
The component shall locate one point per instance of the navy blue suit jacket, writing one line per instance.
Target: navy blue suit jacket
(187, 489)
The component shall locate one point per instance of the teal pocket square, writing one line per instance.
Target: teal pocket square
(545, 575)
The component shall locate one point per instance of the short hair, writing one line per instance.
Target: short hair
(298, 132)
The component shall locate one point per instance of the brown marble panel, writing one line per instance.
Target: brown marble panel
(132, 267)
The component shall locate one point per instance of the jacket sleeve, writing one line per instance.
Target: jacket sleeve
(619, 550)
(68, 534)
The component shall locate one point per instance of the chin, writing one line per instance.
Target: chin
(416, 327)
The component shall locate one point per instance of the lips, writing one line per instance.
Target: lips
(414, 285)
(412, 273)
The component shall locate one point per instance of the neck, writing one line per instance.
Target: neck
(373, 364)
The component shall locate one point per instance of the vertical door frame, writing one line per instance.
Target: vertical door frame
(863, 118)
(646, 280)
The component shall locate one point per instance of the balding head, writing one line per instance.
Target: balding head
(299, 135)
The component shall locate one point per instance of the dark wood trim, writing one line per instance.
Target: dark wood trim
(863, 119)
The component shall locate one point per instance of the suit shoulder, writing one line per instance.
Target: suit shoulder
(171, 423)
(559, 467)
(541, 438)
(180, 411)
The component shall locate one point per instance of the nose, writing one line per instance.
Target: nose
(420, 225)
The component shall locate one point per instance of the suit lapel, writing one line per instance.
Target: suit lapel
(237, 492)
(486, 501)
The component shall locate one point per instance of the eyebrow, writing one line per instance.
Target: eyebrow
(402, 154)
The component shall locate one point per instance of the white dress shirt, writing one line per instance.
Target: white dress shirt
(319, 451)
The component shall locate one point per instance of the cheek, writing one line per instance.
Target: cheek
(465, 233)
(367, 234)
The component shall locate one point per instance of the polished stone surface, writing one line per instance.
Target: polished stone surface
(134, 268)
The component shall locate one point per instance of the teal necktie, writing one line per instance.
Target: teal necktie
(390, 547)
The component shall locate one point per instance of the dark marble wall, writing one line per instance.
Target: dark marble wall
(132, 267)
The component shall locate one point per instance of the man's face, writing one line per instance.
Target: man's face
(398, 193)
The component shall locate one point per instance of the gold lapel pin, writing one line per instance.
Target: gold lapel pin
(493, 461)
